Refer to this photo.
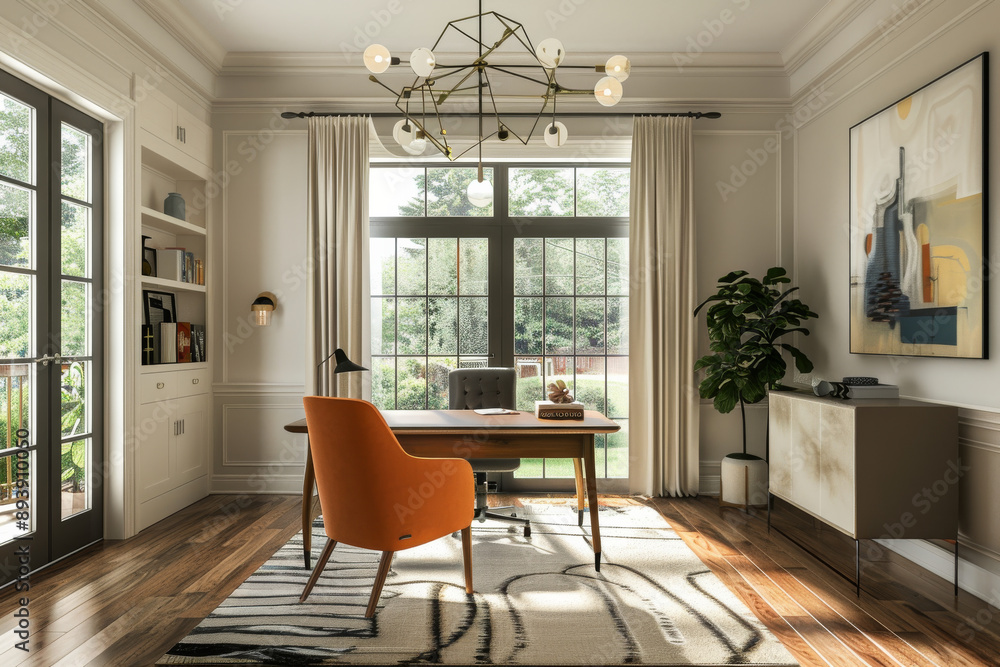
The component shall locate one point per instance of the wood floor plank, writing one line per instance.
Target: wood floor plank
(126, 603)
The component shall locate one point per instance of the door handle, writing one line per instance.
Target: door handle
(49, 358)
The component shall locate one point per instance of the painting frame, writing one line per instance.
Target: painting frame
(157, 305)
(919, 221)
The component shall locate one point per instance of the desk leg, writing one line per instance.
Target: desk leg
(581, 490)
(308, 480)
(591, 473)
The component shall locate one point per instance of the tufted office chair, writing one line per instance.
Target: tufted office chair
(472, 388)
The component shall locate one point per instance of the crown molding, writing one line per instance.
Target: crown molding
(170, 16)
(277, 63)
(862, 49)
(816, 34)
(145, 50)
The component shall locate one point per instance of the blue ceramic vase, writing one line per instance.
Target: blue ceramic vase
(173, 205)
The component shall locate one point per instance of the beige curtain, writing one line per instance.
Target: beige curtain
(663, 398)
(338, 309)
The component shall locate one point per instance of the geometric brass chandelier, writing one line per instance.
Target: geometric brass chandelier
(473, 87)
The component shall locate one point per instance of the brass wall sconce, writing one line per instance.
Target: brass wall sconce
(262, 307)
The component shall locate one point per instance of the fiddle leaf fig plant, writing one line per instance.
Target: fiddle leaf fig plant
(747, 321)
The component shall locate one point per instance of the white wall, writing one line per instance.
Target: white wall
(261, 246)
(933, 43)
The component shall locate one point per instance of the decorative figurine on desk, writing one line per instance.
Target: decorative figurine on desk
(559, 392)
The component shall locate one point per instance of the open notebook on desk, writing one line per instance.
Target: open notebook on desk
(495, 411)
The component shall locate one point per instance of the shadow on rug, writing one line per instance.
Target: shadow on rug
(538, 601)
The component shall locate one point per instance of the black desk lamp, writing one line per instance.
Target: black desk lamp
(344, 365)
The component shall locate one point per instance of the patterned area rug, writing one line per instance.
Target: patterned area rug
(538, 601)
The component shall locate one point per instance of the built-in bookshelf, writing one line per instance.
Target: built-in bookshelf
(174, 400)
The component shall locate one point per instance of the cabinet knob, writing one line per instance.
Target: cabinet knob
(159, 385)
(195, 380)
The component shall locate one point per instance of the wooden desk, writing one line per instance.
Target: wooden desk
(467, 435)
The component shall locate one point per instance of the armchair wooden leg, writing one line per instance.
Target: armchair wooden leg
(467, 557)
(318, 570)
(383, 572)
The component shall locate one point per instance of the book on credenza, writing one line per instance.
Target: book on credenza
(168, 342)
(873, 391)
(170, 264)
(197, 342)
(183, 342)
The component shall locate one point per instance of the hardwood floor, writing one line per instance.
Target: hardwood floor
(126, 603)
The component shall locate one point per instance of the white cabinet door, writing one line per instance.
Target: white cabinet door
(191, 443)
(196, 137)
(152, 449)
(158, 116)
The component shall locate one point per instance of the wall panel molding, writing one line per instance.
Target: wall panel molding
(287, 451)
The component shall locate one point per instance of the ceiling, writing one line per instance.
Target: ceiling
(584, 26)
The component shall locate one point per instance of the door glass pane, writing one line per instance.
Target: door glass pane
(473, 322)
(15, 315)
(383, 325)
(447, 194)
(383, 266)
(411, 265)
(75, 460)
(558, 266)
(541, 191)
(411, 391)
(437, 382)
(559, 325)
(15, 139)
(590, 326)
(75, 309)
(474, 266)
(529, 382)
(384, 382)
(411, 325)
(75, 163)
(442, 325)
(75, 239)
(618, 266)
(15, 225)
(602, 192)
(527, 266)
(442, 262)
(75, 412)
(16, 472)
(395, 191)
(527, 325)
(590, 266)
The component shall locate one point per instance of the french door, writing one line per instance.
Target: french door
(51, 333)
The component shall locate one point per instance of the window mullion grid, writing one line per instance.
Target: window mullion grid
(545, 329)
(395, 320)
(607, 399)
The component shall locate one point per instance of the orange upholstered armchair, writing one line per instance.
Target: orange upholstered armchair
(376, 496)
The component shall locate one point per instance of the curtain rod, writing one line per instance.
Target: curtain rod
(579, 114)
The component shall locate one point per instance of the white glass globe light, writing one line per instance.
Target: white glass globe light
(417, 146)
(377, 58)
(480, 193)
(422, 62)
(405, 133)
(618, 67)
(608, 91)
(555, 139)
(550, 52)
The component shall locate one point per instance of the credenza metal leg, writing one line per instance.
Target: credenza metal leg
(857, 568)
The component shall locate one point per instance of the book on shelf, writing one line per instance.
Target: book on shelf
(197, 342)
(189, 267)
(170, 264)
(199, 272)
(168, 342)
(183, 342)
(147, 345)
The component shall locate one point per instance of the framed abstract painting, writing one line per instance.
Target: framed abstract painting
(918, 221)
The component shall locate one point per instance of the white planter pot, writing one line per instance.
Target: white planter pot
(743, 481)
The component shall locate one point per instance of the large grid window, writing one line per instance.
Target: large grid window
(537, 281)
